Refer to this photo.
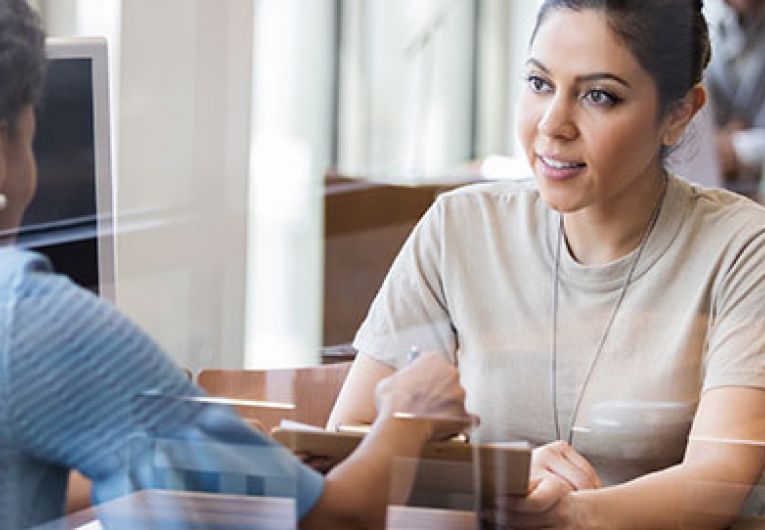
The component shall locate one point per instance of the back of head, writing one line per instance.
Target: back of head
(22, 58)
(669, 38)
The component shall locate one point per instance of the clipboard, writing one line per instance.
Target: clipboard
(443, 467)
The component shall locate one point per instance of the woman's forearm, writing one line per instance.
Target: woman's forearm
(724, 457)
(355, 405)
(682, 496)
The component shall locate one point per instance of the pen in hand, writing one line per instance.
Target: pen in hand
(414, 352)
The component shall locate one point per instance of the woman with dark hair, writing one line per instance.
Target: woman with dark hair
(607, 311)
(82, 388)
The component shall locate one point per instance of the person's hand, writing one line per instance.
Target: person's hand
(557, 470)
(426, 390)
(726, 153)
(322, 464)
(549, 504)
(562, 460)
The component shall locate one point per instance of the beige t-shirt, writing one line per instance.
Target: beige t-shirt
(474, 281)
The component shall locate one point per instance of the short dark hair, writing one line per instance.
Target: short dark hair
(22, 59)
(669, 38)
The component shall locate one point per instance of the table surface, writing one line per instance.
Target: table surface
(176, 510)
(183, 510)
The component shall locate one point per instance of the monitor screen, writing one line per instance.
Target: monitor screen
(70, 217)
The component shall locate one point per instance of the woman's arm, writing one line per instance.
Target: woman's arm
(724, 458)
(358, 491)
(356, 405)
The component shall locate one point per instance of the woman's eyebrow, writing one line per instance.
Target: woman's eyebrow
(595, 76)
(536, 63)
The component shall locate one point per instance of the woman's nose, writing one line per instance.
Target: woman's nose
(557, 120)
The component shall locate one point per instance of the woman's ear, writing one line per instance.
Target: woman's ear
(681, 113)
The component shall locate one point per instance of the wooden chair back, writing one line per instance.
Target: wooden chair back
(313, 391)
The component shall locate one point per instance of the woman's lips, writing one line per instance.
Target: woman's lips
(556, 169)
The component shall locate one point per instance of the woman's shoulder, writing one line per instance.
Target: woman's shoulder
(504, 192)
(723, 207)
(723, 219)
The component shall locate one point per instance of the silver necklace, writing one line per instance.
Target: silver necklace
(554, 339)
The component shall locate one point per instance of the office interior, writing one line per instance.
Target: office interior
(269, 157)
(227, 119)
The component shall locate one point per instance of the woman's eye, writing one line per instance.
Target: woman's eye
(601, 98)
(537, 84)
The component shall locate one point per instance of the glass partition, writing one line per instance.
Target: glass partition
(386, 251)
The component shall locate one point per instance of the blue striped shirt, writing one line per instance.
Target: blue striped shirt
(81, 387)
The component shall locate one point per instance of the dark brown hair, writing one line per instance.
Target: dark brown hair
(22, 59)
(669, 38)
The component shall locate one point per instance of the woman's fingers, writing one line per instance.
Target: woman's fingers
(501, 518)
(564, 461)
(540, 499)
(545, 506)
(581, 463)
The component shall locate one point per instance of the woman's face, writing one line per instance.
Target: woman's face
(588, 115)
(19, 169)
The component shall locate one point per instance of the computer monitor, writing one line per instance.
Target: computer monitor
(70, 217)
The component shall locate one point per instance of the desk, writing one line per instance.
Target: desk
(158, 510)
(176, 510)
(409, 518)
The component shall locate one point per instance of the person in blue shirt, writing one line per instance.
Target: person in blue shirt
(81, 387)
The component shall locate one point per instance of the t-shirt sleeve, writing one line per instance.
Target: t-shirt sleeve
(736, 347)
(411, 308)
(91, 391)
(215, 453)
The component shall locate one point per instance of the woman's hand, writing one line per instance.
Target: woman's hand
(557, 470)
(549, 504)
(562, 460)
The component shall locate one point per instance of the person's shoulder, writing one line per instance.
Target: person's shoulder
(722, 200)
(29, 283)
(497, 192)
(730, 212)
(19, 267)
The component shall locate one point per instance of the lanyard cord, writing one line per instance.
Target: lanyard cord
(599, 350)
